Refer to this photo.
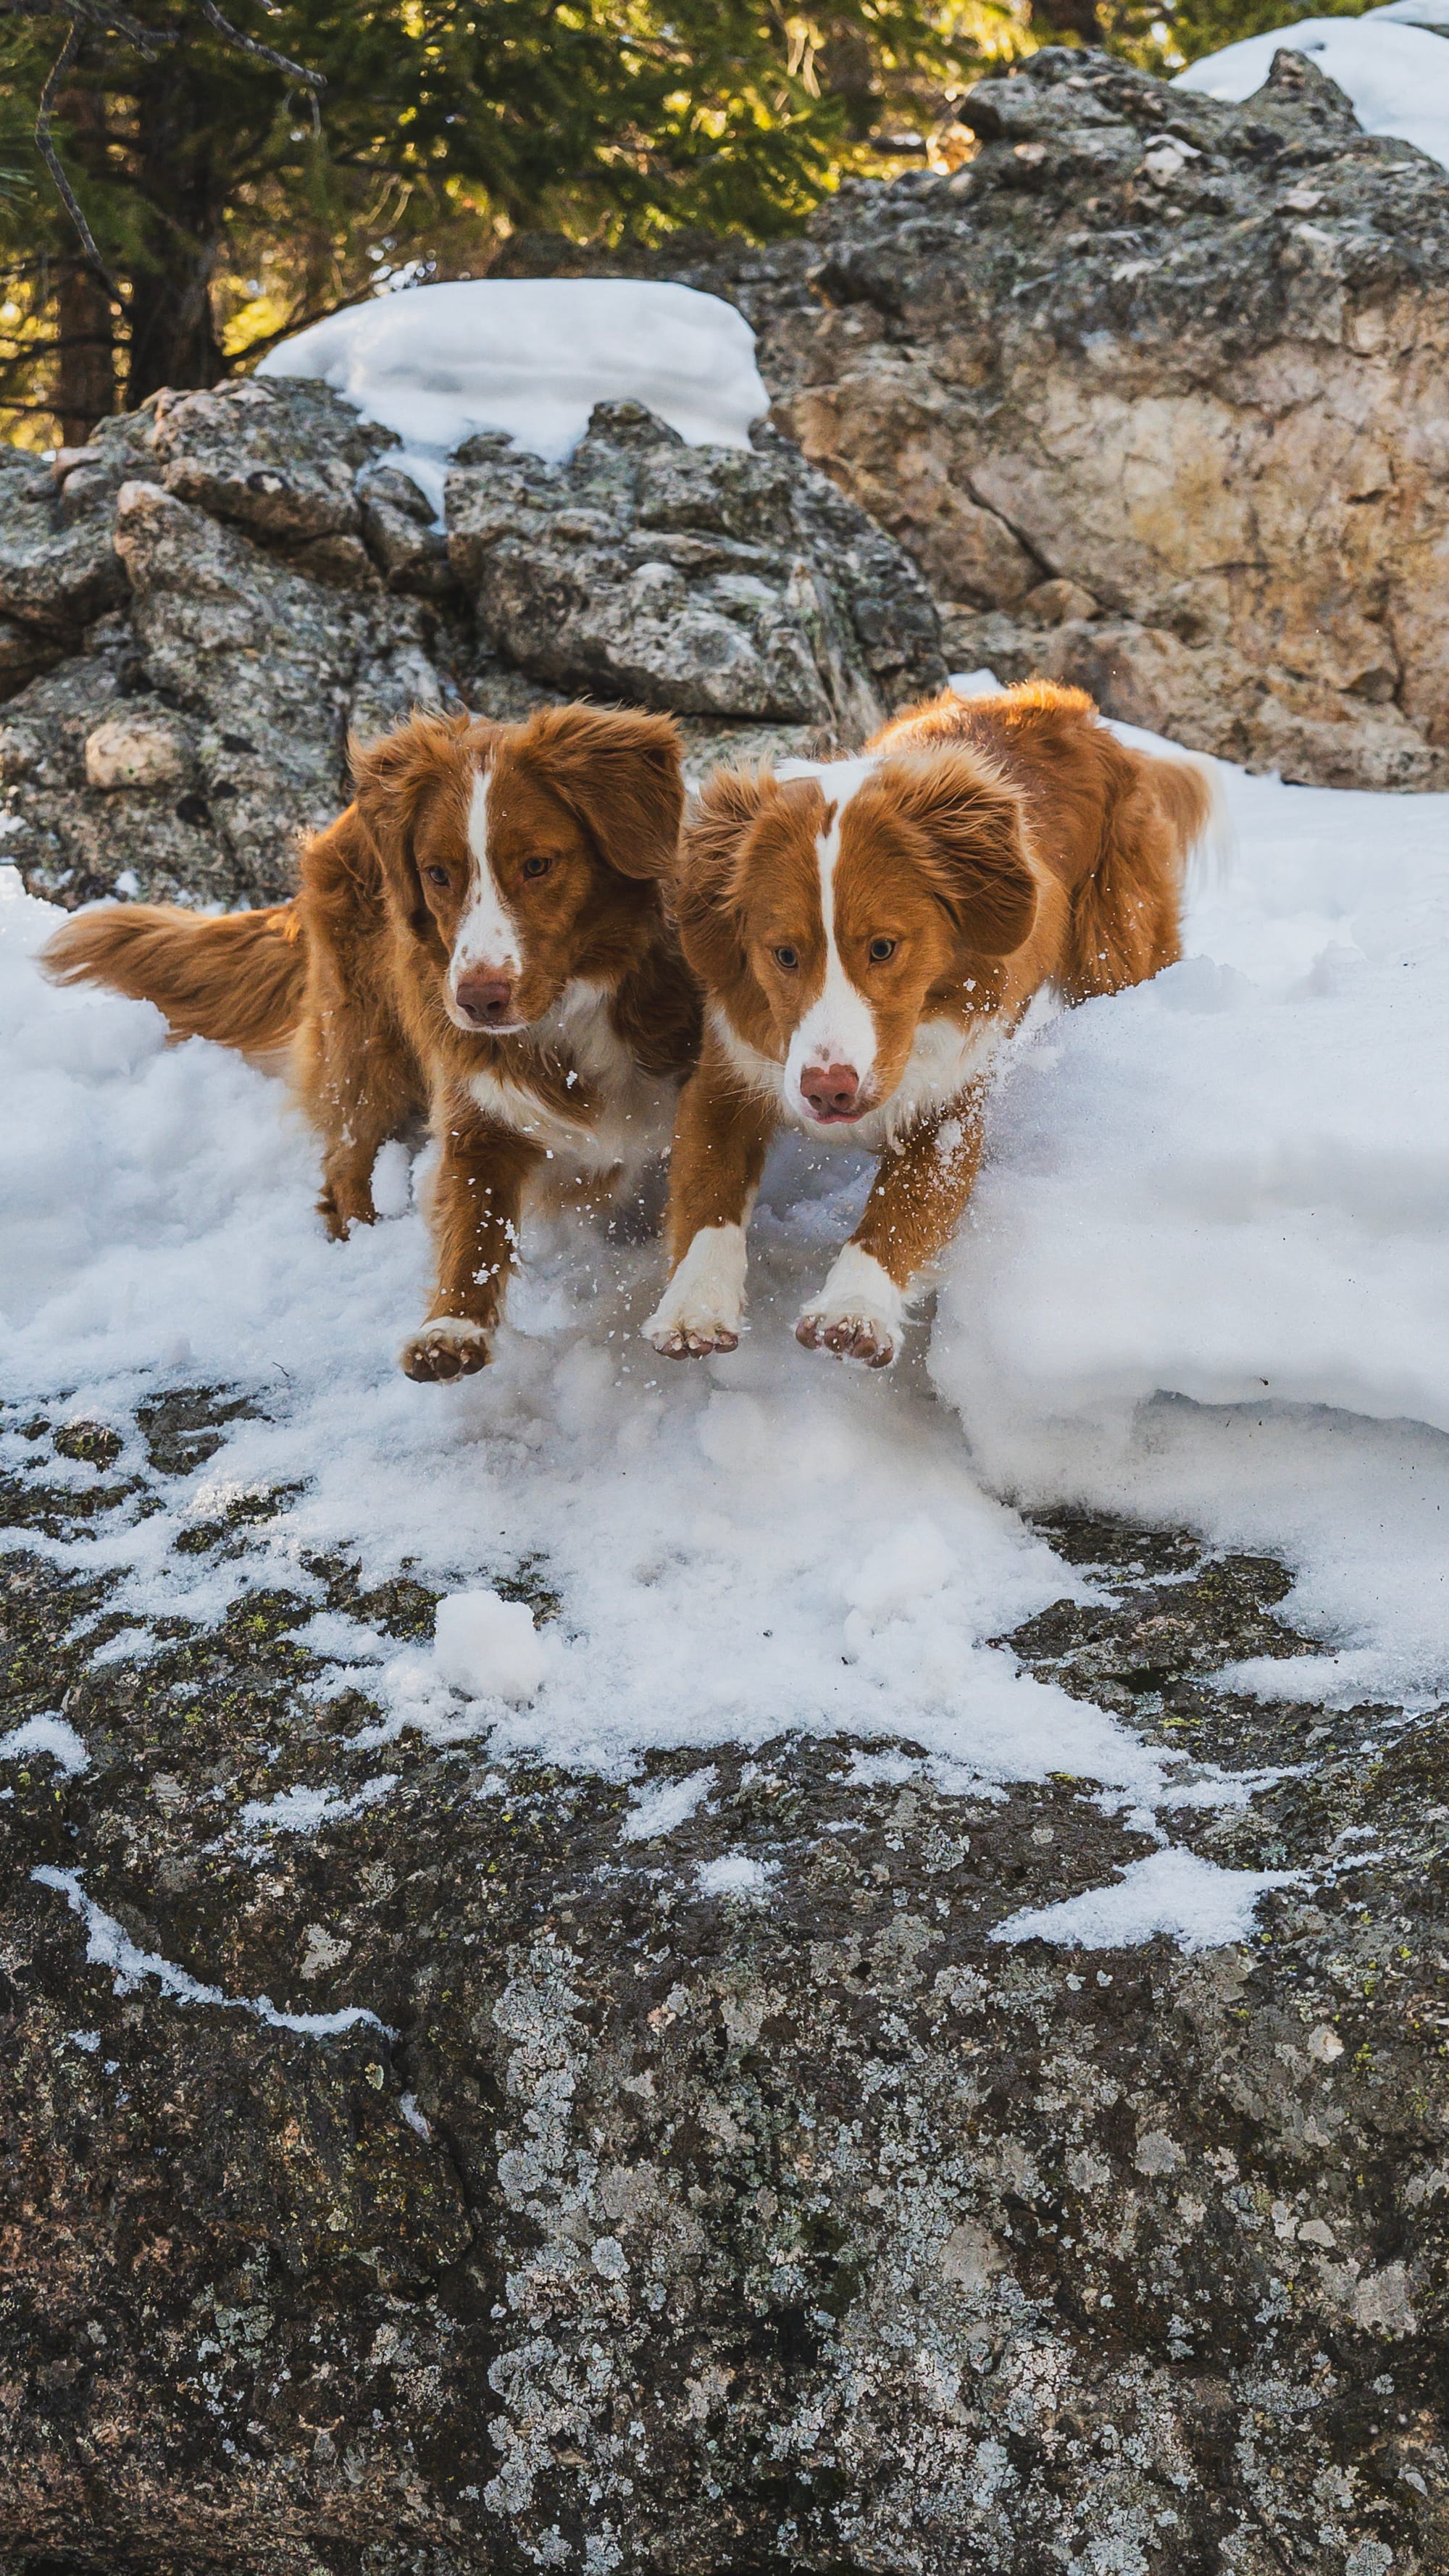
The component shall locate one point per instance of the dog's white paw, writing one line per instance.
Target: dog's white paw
(703, 1307)
(859, 1313)
(450, 1346)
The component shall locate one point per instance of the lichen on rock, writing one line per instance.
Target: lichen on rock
(648, 2227)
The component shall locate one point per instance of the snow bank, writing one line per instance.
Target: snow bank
(1204, 1273)
(532, 356)
(1393, 69)
(1203, 1280)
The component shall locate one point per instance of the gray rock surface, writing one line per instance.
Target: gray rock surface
(1192, 358)
(658, 2230)
(1154, 389)
(714, 581)
(213, 596)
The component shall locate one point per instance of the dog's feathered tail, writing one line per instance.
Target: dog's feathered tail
(1189, 790)
(1126, 922)
(237, 977)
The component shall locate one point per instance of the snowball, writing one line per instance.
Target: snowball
(489, 1648)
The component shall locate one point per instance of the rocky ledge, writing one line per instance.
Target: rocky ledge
(197, 610)
(457, 2167)
(1153, 389)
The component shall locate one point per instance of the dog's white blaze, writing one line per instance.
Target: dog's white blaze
(707, 1292)
(487, 934)
(839, 1027)
(859, 1290)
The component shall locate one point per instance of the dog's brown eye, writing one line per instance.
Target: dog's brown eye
(788, 958)
(880, 950)
(438, 876)
(537, 867)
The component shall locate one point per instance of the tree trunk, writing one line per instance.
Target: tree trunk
(173, 331)
(85, 387)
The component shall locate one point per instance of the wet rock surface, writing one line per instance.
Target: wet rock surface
(1153, 389)
(407, 2169)
(198, 610)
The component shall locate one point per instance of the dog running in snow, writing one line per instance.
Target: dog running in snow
(867, 932)
(479, 939)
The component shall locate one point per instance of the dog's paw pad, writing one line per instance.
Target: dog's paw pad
(450, 1346)
(867, 1339)
(692, 1341)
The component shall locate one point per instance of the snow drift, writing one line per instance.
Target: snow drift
(532, 356)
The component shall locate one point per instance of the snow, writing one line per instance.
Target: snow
(1203, 1273)
(1198, 1904)
(1238, 1175)
(532, 356)
(109, 1945)
(489, 1648)
(1395, 71)
(669, 1804)
(303, 1811)
(54, 1736)
(733, 1874)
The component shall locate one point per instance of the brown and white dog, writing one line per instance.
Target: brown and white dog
(480, 939)
(867, 932)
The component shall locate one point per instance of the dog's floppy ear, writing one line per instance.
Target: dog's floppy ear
(706, 886)
(392, 776)
(620, 773)
(980, 862)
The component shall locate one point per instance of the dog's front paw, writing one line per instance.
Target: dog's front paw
(859, 1314)
(450, 1346)
(341, 1210)
(702, 1309)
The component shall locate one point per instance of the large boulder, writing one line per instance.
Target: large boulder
(1155, 391)
(712, 580)
(472, 2169)
(199, 610)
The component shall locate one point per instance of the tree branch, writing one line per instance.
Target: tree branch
(107, 18)
(264, 53)
(51, 158)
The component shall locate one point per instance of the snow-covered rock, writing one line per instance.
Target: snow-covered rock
(243, 579)
(531, 357)
(1395, 71)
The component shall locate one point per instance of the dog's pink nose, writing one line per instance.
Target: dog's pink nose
(485, 997)
(833, 1090)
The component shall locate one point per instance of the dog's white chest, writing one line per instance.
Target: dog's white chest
(624, 1117)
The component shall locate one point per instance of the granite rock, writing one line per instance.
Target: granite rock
(714, 581)
(628, 2226)
(246, 579)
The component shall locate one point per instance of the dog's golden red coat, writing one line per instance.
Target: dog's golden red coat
(867, 931)
(479, 939)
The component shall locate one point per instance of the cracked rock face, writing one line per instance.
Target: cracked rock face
(1154, 390)
(224, 586)
(712, 581)
(507, 2200)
